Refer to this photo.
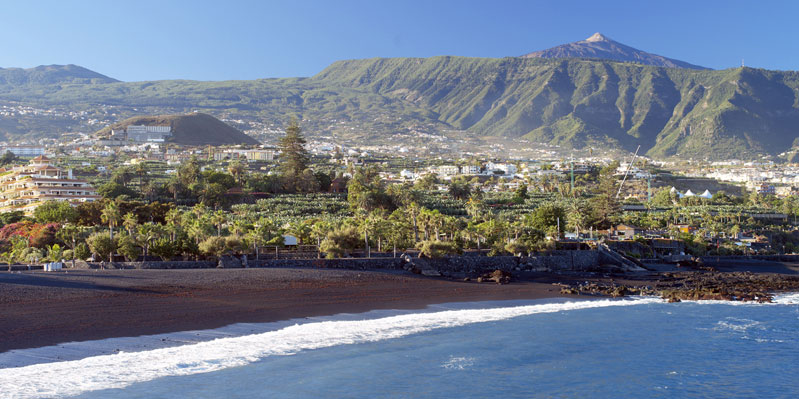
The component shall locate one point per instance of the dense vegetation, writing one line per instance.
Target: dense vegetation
(216, 212)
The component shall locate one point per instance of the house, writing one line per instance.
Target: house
(626, 231)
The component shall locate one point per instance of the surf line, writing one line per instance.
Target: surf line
(125, 368)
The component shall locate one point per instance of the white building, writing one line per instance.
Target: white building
(470, 170)
(143, 133)
(407, 174)
(25, 151)
(448, 170)
(505, 168)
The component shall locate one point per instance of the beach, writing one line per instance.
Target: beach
(40, 308)
(46, 308)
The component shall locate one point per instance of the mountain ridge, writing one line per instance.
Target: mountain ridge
(740, 113)
(52, 74)
(602, 47)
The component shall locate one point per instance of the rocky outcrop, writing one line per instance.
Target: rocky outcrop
(497, 276)
(696, 286)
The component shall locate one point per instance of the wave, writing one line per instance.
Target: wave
(125, 368)
(787, 298)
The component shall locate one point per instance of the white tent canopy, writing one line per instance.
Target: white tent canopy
(706, 194)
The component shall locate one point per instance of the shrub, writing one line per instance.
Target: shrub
(81, 251)
(437, 249)
(100, 243)
(213, 246)
(55, 212)
(340, 242)
(126, 246)
(164, 248)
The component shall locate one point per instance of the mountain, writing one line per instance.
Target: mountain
(740, 113)
(49, 75)
(190, 129)
(601, 47)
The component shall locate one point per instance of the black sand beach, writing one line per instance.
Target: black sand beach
(39, 308)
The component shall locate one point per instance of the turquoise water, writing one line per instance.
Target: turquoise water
(601, 349)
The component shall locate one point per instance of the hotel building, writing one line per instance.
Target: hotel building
(23, 188)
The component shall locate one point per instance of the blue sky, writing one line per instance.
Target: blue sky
(217, 40)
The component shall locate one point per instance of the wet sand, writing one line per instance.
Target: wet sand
(39, 308)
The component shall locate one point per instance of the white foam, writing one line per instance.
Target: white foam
(125, 368)
(458, 363)
(737, 325)
(787, 299)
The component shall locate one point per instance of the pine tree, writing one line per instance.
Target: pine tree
(294, 156)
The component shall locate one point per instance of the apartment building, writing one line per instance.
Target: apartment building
(23, 188)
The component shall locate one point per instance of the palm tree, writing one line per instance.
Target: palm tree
(173, 221)
(112, 216)
(174, 186)
(141, 171)
(236, 169)
(147, 233)
(219, 218)
(130, 221)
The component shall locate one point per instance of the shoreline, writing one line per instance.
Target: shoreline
(42, 309)
(77, 350)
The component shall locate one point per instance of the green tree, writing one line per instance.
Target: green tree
(460, 189)
(72, 235)
(111, 215)
(130, 222)
(127, 247)
(8, 158)
(521, 194)
(189, 172)
(146, 234)
(55, 212)
(366, 191)
(102, 244)
(113, 190)
(548, 216)
(294, 157)
(340, 242)
(237, 168)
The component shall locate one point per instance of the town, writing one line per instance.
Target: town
(135, 195)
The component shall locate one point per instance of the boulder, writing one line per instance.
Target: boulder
(498, 276)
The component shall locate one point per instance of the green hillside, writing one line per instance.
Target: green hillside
(740, 113)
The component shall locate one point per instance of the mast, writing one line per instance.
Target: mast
(626, 172)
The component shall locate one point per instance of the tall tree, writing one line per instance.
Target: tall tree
(294, 156)
(112, 216)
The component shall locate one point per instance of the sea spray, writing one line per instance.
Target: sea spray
(119, 370)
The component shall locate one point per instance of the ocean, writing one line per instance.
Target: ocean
(634, 347)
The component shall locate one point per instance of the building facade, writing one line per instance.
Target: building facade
(141, 133)
(24, 188)
(24, 151)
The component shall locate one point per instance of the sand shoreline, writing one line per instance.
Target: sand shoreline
(41, 309)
